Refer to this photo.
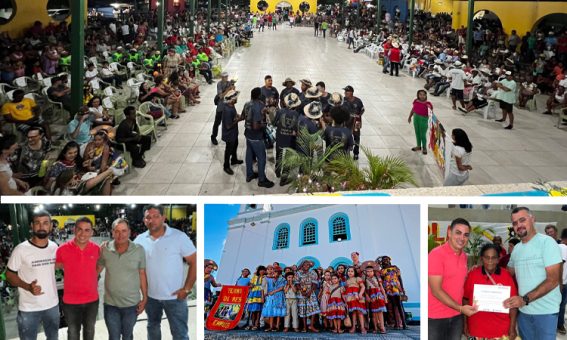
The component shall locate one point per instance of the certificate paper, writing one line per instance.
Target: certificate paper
(490, 298)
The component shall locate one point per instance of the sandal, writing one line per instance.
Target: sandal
(416, 148)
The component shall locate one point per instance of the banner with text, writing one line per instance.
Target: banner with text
(228, 309)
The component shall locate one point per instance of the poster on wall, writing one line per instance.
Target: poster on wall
(228, 308)
(438, 145)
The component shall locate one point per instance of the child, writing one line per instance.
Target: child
(274, 308)
(324, 297)
(290, 302)
(420, 114)
(336, 309)
(377, 299)
(256, 297)
(355, 299)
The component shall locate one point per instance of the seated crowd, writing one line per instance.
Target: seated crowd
(302, 298)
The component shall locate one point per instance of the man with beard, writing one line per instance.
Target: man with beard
(31, 268)
(289, 88)
(536, 263)
(270, 97)
(446, 275)
(166, 248)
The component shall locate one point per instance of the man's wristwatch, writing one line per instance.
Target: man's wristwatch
(187, 291)
(526, 299)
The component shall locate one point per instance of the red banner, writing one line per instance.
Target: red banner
(228, 309)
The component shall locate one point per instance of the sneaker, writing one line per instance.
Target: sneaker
(266, 184)
(416, 148)
(561, 330)
(229, 171)
(236, 162)
(424, 152)
(254, 176)
(463, 110)
(499, 120)
(214, 140)
(139, 163)
(509, 127)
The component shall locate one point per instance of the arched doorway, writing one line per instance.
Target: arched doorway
(554, 22)
(284, 7)
(486, 19)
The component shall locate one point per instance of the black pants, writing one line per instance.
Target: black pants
(230, 152)
(208, 74)
(446, 329)
(394, 67)
(216, 124)
(356, 135)
(279, 156)
(81, 315)
(138, 148)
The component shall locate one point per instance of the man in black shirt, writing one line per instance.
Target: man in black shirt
(230, 121)
(270, 97)
(286, 124)
(325, 96)
(353, 105)
(289, 88)
(338, 133)
(223, 87)
(129, 134)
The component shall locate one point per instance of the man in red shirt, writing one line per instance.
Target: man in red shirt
(446, 276)
(78, 258)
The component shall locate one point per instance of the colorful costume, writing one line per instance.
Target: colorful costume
(377, 301)
(336, 308)
(275, 304)
(255, 300)
(325, 297)
(391, 277)
(353, 301)
(307, 305)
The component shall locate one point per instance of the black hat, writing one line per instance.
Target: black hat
(349, 88)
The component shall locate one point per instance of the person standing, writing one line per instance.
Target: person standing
(31, 268)
(394, 287)
(395, 57)
(289, 88)
(124, 280)
(507, 97)
(460, 163)
(78, 258)
(307, 304)
(561, 320)
(286, 131)
(324, 27)
(446, 276)
(551, 231)
(166, 249)
(354, 106)
(536, 264)
(230, 120)
(223, 87)
(270, 97)
(420, 114)
(255, 124)
(457, 76)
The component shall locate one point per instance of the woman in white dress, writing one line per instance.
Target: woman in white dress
(459, 165)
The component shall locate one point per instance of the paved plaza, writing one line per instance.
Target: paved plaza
(184, 162)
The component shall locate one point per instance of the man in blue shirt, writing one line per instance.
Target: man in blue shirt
(166, 248)
(536, 263)
(79, 129)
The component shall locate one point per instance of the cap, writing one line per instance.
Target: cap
(348, 88)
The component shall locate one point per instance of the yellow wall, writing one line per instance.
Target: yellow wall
(176, 212)
(273, 3)
(514, 15)
(27, 12)
(62, 219)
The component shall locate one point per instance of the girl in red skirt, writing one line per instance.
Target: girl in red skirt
(377, 300)
(336, 309)
(354, 296)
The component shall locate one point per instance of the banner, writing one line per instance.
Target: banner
(438, 144)
(228, 309)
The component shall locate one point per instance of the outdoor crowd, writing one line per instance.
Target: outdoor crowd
(365, 296)
(140, 275)
(534, 269)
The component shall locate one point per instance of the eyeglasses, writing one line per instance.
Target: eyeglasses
(34, 136)
(491, 258)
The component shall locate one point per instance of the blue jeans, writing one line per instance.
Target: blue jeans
(177, 313)
(540, 327)
(256, 148)
(28, 323)
(120, 321)
(561, 317)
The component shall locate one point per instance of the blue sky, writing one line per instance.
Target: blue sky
(216, 225)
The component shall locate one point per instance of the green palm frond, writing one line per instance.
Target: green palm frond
(386, 172)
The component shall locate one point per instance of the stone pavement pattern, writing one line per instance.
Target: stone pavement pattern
(184, 162)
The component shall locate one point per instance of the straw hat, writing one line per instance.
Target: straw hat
(336, 99)
(306, 82)
(231, 95)
(292, 100)
(288, 80)
(313, 110)
(313, 93)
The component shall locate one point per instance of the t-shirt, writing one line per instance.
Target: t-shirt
(286, 124)
(34, 263)
(529, 261)
(422, 108)
(486, 324)
(253, 112)
(563, 248)
(271, 92)
(452, 267)
(354, 107)
(164, 262)
(508, 96)
(9, 173)
(304, 122)
(339, 135)
(21, 111)
(84, 135)
(122, 276)
(457, 78)
(79, 268)
(243, 281)
(459, 151)
(228, 115)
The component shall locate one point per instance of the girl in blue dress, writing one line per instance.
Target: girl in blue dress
(274, 307)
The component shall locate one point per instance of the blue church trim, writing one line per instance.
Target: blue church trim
(277, 231)
(302, 232)
(340, 260)
(347, 226)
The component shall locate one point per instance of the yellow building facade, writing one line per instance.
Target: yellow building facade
(27, 12)
(521, 16)
(272, 5)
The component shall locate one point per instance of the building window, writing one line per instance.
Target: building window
(281, 237)
(339, 228)
(308, 234)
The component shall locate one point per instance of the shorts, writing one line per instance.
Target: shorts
(459, 94)
(506, 106)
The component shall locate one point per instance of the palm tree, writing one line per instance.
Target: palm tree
(382, 172)
(475, 243)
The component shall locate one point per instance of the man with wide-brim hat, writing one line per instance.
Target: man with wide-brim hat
(223, 86)
(354, 106)
(289, 88)
(310, 118)
(336, 99)
(286, 131)
(305, 84)
(230, 120)
(308, 306)
(457, 77)
(313, 93)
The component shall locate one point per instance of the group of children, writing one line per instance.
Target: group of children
(343, 297)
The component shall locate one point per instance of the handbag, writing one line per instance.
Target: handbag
(347, 321)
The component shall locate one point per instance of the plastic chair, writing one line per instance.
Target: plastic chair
(145, 108)
(146, 124)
